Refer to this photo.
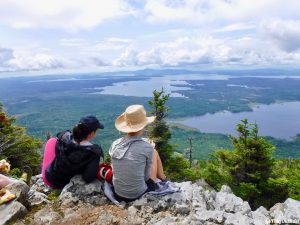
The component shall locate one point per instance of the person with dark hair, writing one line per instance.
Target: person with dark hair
(72, 153)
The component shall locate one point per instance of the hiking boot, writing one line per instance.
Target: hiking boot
(26, 175)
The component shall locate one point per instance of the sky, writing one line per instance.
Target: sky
(104, 35)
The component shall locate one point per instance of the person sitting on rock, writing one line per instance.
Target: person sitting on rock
(4, 169)
(136, 164)
(72, 153)
(5, 195)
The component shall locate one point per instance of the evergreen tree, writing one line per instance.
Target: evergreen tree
(248, 168)
(253, 159)
(16, 146)
(175, 165)
(159, 131)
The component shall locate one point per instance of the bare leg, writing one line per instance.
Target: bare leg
(157, 167)
(160, 170)
(4, 181)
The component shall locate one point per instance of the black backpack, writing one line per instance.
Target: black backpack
(62, 148)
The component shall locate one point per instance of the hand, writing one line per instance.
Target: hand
(151, 142)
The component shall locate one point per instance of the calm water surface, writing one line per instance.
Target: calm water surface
(144, 88)
(280, 120)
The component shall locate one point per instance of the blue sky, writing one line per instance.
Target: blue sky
(98, 35)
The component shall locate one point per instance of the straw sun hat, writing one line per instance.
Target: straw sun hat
(133, 119)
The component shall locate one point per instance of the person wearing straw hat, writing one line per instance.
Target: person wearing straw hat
(136, 164)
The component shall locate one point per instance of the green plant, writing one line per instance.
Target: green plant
(16, 172)
(248, 168)
(54, 195)
(290, 170)
(16, 146)
(159, 131)
(175, 165)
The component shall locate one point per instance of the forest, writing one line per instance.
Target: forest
(247, 164)
(54, 103)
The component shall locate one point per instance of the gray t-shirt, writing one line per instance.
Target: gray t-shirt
(131, 160)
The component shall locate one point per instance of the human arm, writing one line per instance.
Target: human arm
(149, 158)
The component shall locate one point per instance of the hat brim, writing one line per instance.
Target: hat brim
(100, 126)
(122, 125)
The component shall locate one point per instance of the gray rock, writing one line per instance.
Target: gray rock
(198, 200)
(80, 190)
(262, 210)
(139, 203)
(35, 178)
(193, 206)
(39, 185)
(186, 190)
(245, 208)
(210, 216)
(46, 216)
(37, 198)
(20, 189)
(178, 197)
(69, 215)
(181, 209)
(238, 219)
(292, 209)
(209, 223)
(168, 220)
(107, 218)
(287, 212)
(165, 217)
(209, 197)
(230, 203)
(226, 189)
(132, 211)
(203, 184)
(277, 213)
(11, 211)
(260, 216)
(68, 199)
(159, 205)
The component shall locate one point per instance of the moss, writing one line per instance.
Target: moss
(54, 195)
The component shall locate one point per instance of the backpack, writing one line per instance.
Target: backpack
(63, 148)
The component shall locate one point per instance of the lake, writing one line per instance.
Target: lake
(280, 120)
(144, 88)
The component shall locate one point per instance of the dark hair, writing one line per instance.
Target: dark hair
(80, 132)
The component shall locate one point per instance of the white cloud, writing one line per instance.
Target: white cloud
(11, 60)
(185, 50)
(6, 54)
(36, 62)
(163, 33)
(219, 12)
(73, 42)
(210, 51)
(112, 44)
(66, 14)
(27, 60)
(236, 27)
(284, 33)
(127, 58)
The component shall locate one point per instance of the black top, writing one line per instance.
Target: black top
(71, 159)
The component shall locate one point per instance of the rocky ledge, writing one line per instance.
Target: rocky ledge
(81, 203)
